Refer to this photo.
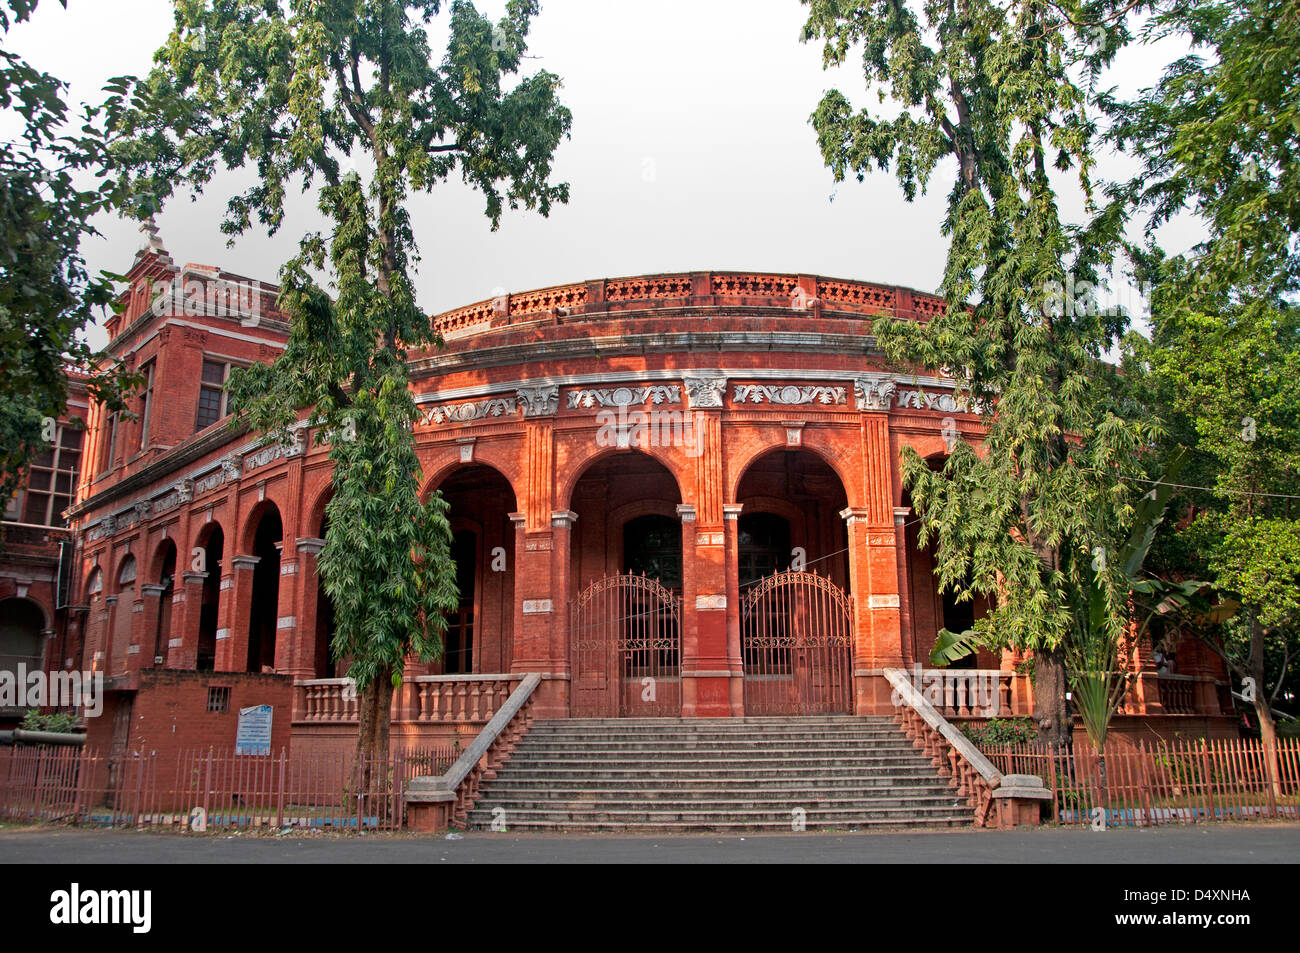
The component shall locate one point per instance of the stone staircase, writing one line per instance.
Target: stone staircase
(723, 774)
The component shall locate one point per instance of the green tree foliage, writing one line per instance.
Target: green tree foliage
(295, 91)
(1219, 137)
(47, 295)
(992, 91)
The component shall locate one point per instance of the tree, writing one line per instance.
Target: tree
(1219, 137)
(47, 295)
(298, 90)
(1031, 516)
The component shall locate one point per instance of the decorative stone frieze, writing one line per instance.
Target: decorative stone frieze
(468, 411)
(874, 393)
(625, 396)
(792, 394)
(539, 400)
(706, 392)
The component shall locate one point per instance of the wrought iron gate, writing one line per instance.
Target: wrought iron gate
(625, 647)
(797, 646)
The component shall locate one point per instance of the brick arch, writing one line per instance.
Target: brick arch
(737, 473)
(159, 558)
(931, 448)
(316, 512)
(119, 567)
(445, 464)
(47, 619)
(578, 468)
(441, 477)
(203, 535)
(248, 537)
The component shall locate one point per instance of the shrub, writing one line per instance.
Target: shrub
(1001, 731)
(61, 722)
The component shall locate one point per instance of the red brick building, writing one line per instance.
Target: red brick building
(671, 494)
(36, 560)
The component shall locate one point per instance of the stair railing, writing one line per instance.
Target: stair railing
(973, 775)
(436, 803)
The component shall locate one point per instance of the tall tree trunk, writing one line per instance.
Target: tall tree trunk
(1263, 704)
(1054, 725)
(1268, 734)
(374, 710)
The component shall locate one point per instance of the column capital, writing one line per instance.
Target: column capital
(519, 518)
(731, 511)
(854, 514)
(563, 518)
(193, 577)
(244, 562)
(686, 512)
(901, 513)
(310, 545)
(152, 589)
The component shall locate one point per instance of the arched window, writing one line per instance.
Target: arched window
(95, 585)
(126, 577)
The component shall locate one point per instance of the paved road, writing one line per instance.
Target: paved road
(1221, 844)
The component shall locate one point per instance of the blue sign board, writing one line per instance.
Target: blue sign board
(254, 733)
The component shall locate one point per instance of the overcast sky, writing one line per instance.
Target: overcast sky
(691, 150)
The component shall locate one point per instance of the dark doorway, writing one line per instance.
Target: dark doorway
(266, 593)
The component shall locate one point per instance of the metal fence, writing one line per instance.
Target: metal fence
(1181, 782)
(212, 788)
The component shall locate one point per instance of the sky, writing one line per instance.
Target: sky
(691, 150)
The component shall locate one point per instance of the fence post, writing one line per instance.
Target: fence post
(1208, 776)
(207, 784)
(279, 809)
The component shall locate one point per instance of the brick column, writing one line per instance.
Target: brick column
(912, 652)
(150, 637)
(234, 613)
(689, 634)
(708, 603)
(187, 605)
(561, 545)
(286, 611)
(306, 607)
(877, 642)
(735, 660)
(105, 652)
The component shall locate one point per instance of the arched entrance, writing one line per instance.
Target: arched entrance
(164, 572)
(625, 609)
(212, 542)
(21, 622)
(479, 635)
(267, 541)
(796, 614)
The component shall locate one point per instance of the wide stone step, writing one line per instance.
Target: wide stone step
(769, 760)
(685, 774)
(759, 800)
(783, 818)
(748, 738)
(730, 752)
(654, 786)
(764, 721)
(729, 827)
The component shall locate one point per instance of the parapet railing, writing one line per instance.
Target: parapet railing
(811, 293)
(422, 699)
(435, 803)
